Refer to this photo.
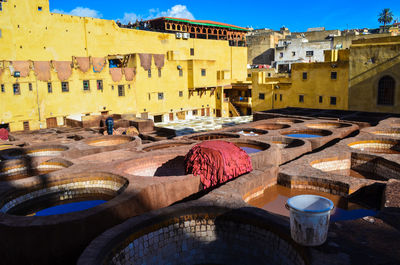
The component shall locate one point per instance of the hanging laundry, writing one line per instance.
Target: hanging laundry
(116, 74)
(83, 63)
(159, 60)
(63, 68)
(98, 64)
(42, 70)
(130, 73)
(20, 66)
(145, 60)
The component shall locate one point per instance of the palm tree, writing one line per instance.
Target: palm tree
(385, 17)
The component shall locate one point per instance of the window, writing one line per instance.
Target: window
(149, 73)
(180, 72)
(195, 112)
(301, 98)
(2, 88)
(304, 75)
(203, 72)
(49, 88)
(121, 91)
(192, 51)
(276, 97)
(280, 54)
(16, 89)
(320, 99)
(333, 75)
(309, 53)
(293, 53)
(40, 8)
(269, 74)
(333, 100)
(159, 72)
(280, 97)
(1, 6)
(86, 85)
(30, 86)
(248, 75)
(181, 93)
(386, 93)
(64, 87)
(158, 118)
(261, 96)
(160, 96)
(99, 84)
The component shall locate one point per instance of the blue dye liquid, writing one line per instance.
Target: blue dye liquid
(69, 207)
(303, 135)
(250, 150)
(342, 215)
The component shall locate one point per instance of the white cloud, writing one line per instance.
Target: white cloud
(129, 17)
(178, 11)
(80, 11)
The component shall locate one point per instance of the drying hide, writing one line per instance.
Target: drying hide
(130, 73)
(83, 63)
(145, 60)
(116, 74)
(63, 68)
(217, 162)
(22, 67)
(159, 60)
(98, 64)
(42, 70)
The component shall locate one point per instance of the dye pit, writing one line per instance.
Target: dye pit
(303, 135)
(250, 148)
(68, 208)
(274, 199)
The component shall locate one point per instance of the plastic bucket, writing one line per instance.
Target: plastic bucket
(309, 219)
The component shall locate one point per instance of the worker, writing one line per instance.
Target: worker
(110, 125)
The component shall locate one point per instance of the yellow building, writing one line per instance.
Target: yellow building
(54, 65)
(321, 85)
(375, 75)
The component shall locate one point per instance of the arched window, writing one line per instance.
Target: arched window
(386, 91)
(173, 27)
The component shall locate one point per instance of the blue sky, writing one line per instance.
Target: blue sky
(296, 15)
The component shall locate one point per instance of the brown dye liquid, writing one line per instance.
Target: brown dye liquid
(274, 199)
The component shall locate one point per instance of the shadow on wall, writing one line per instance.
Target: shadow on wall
(265, 58)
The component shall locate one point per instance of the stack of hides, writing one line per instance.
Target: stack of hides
(217, 162)
(3, 134)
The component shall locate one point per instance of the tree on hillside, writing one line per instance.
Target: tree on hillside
(385, 17)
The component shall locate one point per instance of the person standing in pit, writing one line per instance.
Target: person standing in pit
(110, 125)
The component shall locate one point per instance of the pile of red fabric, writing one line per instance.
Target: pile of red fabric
(217, 162)
(3, 134)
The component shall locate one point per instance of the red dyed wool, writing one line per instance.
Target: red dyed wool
(3, 134)
(217, 162)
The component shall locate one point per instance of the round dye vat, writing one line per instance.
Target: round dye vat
(377, 146)
(303, 135)
(274, 199)
(250, 148)
(69, 208)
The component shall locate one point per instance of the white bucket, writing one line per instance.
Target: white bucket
(309, 219)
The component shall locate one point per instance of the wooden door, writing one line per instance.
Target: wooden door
(171, 116)
(51, 122)
(26, 126)
(218, 113)
(208, 112)
(202, 112)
